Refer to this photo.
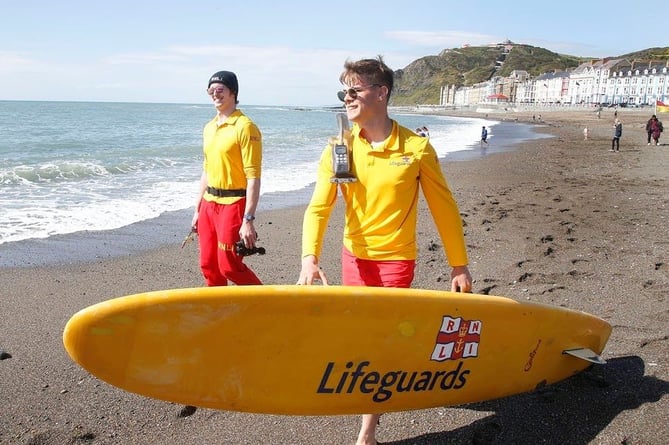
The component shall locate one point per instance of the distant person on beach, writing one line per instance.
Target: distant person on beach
(426, 132)
(420, 132)
(484, 135)
(649, 128)
(585, 134)
(229, 186)
(617, 134)
(654, 128)
(391, 164)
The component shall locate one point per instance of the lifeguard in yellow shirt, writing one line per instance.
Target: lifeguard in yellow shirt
(229, 186)
(390, 164)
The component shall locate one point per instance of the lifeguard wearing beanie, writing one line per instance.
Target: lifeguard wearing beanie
(227, 78)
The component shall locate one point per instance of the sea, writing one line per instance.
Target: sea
(82, 167)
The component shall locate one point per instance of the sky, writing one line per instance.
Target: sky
(283, 52)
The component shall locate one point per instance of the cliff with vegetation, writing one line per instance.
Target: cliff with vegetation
(420, 81)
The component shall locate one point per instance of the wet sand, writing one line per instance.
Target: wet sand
(557, 220)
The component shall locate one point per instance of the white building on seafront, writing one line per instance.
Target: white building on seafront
(640, 83)
(610, 81)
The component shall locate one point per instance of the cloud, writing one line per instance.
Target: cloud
(443, 39)
(456, 39)
(268, 75)
(142, 59)
(11, 62)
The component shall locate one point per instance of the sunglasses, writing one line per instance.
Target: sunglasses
(354, 91)
(218, 90)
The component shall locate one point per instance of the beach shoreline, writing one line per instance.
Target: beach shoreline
(171, 227)
(557, 220)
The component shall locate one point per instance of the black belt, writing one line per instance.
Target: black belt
(223, 193)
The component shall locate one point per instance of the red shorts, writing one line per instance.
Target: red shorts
(373, 273)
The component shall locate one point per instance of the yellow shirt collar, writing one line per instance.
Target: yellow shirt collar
(231, 119)
(391, 142)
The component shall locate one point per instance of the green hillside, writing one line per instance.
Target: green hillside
(420, 81)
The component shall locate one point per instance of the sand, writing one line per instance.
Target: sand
(558, 220)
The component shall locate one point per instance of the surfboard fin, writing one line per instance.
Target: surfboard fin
(585, 354)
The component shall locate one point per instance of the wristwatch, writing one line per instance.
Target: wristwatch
(249, 217)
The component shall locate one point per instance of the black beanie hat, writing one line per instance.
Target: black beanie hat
(227, 78)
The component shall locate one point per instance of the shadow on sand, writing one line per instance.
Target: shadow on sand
(573, 411)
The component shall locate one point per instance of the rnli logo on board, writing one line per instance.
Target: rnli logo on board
(457, 339)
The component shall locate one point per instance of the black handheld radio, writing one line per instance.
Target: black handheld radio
(341, 156)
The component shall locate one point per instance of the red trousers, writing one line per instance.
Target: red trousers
(218, 230)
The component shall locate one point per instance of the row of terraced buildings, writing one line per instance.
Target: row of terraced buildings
(599, 82)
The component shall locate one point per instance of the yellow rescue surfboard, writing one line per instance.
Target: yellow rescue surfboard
(314, 350)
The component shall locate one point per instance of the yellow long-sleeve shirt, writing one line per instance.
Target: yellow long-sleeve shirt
(232, 153)
(381, 207)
